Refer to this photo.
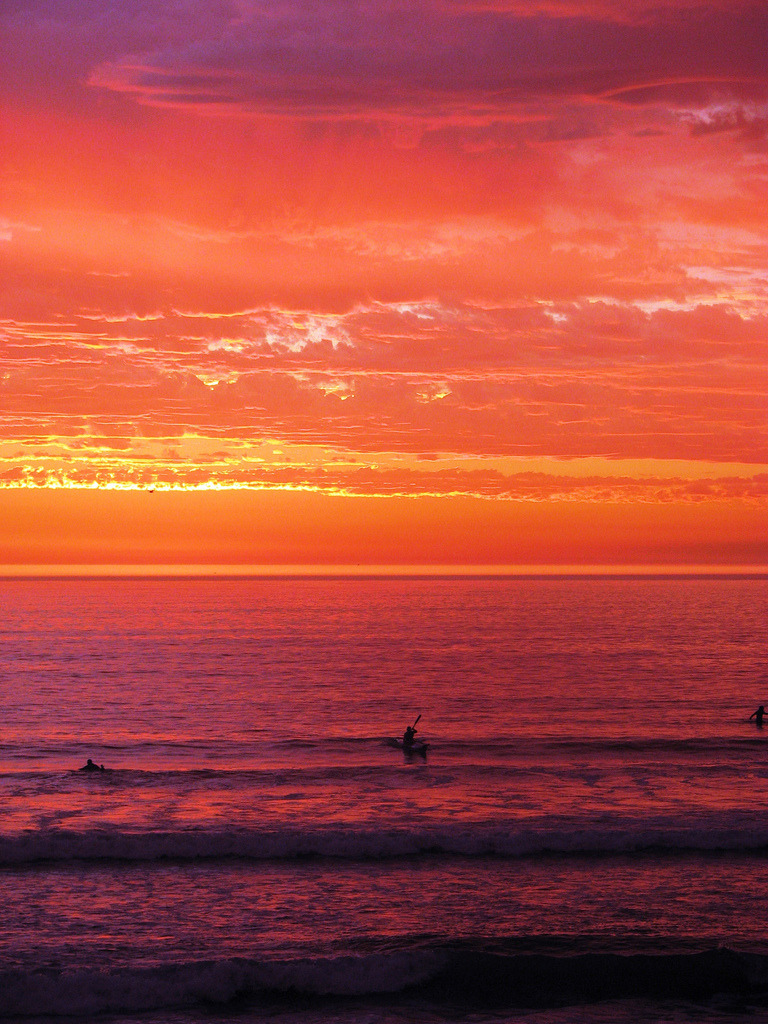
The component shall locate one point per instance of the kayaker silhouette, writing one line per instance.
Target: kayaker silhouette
(409, 735)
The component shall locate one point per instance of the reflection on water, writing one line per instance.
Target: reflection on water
(593, 788)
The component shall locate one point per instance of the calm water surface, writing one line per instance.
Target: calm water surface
(584, 841)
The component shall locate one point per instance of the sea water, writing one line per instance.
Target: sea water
(586, 839)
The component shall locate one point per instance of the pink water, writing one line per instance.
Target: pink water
(593, 787)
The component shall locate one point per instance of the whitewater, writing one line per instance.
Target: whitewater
(585, 841)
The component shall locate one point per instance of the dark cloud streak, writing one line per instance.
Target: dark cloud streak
(426, 62)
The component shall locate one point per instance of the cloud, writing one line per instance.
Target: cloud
(749, 123)
(487, 229)
(634, 12)
(568, 380)
(469, 63)
(100, 464)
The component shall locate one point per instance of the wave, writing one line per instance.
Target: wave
(745, 833)
(437, 974)
(514, 746)
(528, 747)
(255, 746)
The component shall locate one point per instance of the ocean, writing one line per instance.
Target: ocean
(586, 839)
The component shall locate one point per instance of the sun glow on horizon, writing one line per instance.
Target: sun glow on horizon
(387, 570)
(239, 259)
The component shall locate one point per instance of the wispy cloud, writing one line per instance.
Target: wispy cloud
(458, 62)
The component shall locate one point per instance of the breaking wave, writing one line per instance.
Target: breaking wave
(726, 832)
(437, 974)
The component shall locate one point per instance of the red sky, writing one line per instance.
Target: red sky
(412, 281)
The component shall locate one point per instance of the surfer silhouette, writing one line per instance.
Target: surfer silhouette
(89, 766)
(758, 716)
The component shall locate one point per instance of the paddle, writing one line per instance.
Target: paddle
(414, 724)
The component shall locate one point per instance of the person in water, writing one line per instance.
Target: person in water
(89, 766)
(758, 716)
(408, 737)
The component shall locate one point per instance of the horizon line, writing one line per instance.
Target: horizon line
(181, 570)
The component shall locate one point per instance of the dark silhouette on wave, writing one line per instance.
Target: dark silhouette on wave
(758, 716)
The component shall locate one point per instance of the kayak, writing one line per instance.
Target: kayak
(417, 747)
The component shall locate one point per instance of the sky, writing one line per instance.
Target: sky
(418, 282)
